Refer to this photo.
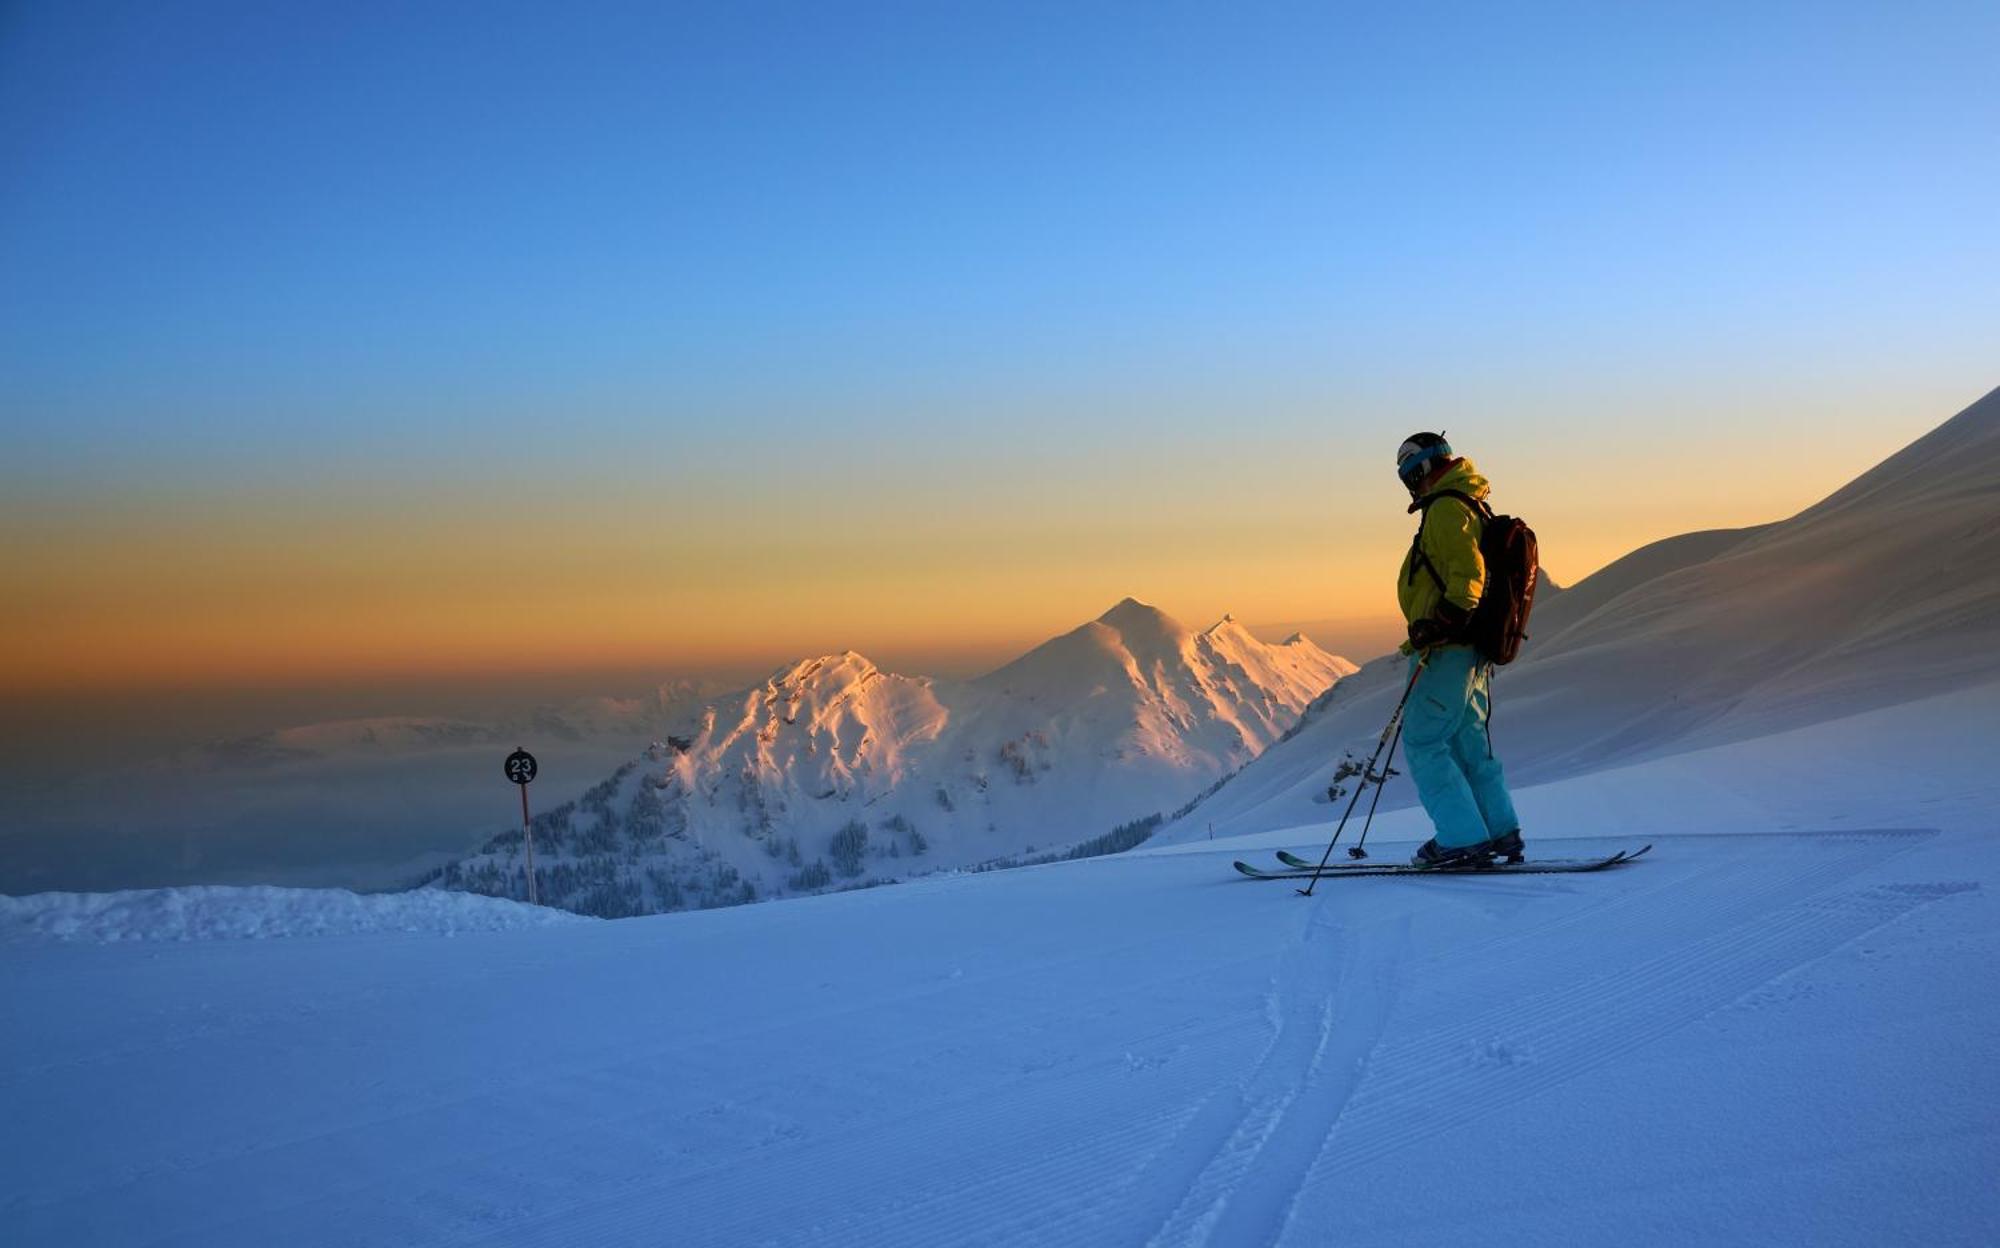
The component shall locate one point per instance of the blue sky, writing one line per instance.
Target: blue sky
(394, 207)
(774, 262)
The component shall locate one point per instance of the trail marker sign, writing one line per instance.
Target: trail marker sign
(521, 769)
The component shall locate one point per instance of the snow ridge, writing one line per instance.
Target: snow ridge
(215, 912)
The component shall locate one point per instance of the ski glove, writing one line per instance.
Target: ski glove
(1447, 626)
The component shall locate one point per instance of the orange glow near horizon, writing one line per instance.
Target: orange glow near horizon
(237, 587)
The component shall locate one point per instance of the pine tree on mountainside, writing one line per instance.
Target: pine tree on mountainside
(848, 846)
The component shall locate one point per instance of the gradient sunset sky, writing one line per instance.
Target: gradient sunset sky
(388, 342)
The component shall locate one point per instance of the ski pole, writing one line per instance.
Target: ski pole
(1393, 727)
(1359, 848)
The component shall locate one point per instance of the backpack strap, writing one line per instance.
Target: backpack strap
(1479, 506)
(1418, 559)
(1417, 556)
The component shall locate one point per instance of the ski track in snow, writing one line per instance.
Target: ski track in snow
(1131, 1051)
(1327, 1001)
(1712, 954)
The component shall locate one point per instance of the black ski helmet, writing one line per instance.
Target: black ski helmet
(1418, 452)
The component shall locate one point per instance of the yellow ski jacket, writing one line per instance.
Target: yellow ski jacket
(1449, 539)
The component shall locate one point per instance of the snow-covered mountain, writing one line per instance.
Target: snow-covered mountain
(1138, 675)
(1885, 592)
(836, 772)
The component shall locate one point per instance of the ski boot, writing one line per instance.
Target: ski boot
(1432, 854)
(1507, 847)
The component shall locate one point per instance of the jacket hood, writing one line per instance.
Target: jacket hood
(1461, 476)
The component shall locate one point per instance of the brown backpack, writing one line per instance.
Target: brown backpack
(1507, 546)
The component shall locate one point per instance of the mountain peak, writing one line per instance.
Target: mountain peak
(1144, 630)
(1130, 608)
(847, 666)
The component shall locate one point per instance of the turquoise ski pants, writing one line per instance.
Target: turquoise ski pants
(1449, 753)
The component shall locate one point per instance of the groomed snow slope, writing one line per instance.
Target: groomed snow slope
(1781, 1036)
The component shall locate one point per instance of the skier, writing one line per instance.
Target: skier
(1446, 738)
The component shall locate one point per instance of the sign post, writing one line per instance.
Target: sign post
(520, 768)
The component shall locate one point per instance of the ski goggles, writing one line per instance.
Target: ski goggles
(1414, 461)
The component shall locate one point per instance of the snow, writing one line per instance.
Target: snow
(215, 912)
(1871, 769)
(1762, 1034)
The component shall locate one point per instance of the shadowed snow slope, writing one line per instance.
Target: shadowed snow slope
(835, 772)
(1887, 591)
(1781, 1037)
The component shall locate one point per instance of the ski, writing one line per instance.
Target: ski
(1294, 864)
(1534, 866)
(1303, 864)
(1293, 860)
